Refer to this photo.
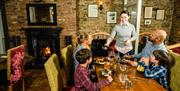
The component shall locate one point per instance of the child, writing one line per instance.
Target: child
(158, 67)
(82, 81)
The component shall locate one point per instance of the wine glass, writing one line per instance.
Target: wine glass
(123, 67)
(123, 78)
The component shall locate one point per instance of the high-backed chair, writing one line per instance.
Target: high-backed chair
(53, 73)
(15, 61)
(68, 64)
(174, 50)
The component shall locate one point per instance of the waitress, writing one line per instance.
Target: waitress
(124, 33)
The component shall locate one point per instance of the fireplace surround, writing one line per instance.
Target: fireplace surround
(42, 42)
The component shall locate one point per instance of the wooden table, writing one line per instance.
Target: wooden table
(139, 82)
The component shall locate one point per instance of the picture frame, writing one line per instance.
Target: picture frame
(111, 17)
(93, 10)
(147, 22)
(160, 14)
(148, 12)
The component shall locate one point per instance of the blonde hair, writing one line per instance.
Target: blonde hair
(81, 36)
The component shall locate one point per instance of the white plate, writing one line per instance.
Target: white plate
(101, 62)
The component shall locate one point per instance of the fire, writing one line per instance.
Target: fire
(46, 51)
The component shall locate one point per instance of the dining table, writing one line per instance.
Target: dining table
(135, 79)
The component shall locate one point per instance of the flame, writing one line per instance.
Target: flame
(47, 51)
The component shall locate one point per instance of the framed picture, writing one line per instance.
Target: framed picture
(160, 15)
(147, 22)
(111, 17)
(92, 10)
(148, 12)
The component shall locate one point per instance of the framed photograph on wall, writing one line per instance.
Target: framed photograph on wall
(148, 12)
(147, 22)
(160, 15)
(92, 10)
(111, 17)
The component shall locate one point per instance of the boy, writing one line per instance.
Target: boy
(82, 81)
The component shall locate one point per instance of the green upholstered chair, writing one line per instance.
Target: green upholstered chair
(68, 64)
(175, 72)
(53, 73)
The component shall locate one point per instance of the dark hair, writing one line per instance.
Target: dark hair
(82, 36)
(165, 60)
(163, 57)
(125, 12)
(83, 55)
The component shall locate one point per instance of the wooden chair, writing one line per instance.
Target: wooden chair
(142, 40)
(15, 71)
(100, 35)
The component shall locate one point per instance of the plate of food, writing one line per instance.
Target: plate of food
(105, 72)
(100, 61)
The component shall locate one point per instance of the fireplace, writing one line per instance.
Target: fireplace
(42, 43)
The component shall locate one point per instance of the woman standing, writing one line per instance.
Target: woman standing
(124, 33)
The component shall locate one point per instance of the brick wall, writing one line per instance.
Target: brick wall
(72, 16)
(17, 18)
(176, 24)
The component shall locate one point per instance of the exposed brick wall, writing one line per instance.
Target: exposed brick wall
(72, 16)
(166, 24)
(17, 18)
(89, 24)
(175, 38)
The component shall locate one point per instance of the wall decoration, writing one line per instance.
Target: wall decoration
(160, 15)
(111, 17)
(147, 22)
(92, 11)
(148, 12)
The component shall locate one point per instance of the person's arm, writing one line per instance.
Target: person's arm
(93, 86)
(136, 56)
(143, 52)
(154, 74)
(111, 37)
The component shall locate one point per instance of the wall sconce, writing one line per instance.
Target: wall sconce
(100, 5)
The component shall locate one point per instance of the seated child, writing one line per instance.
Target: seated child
(82, 81)
(158, 67)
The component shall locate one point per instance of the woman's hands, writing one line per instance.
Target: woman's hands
(110, 78)
(127, 42)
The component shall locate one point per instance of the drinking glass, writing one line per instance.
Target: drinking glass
(123, 78)
(123, 67)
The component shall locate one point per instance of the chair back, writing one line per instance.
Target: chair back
(142, 40)
(54, 76)
(15, 61)
(100, 35)
(68, 64)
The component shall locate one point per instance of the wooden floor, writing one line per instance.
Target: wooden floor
(36, 80)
